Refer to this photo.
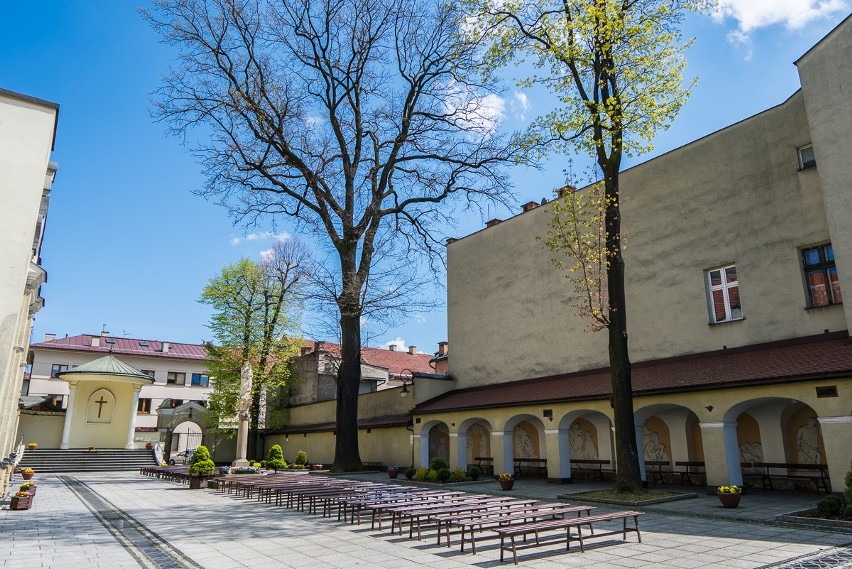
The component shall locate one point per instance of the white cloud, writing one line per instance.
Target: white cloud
(793, 14)
(521, 105)
(480, 114)
(283, 236)
(398, 342)
(419, 318)
(741, 39)
(267, 255)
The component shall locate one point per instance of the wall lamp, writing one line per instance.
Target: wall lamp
(405, 391)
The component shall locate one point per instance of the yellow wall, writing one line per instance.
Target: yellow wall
(390, 446)
(101, 435)
(46, 430)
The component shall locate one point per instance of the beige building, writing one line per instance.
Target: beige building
(740, 251)
(27, 130)
(178, 372)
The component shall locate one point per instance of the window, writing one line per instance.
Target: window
(144, 406)
(148, 372)
(56, 369)
(176, 377)
(821, 276)
(201, 379)
(807, 159)
(175, 403)
(724, 291)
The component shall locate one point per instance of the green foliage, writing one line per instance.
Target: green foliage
(410, 472)
(459, 475)
(830, 506)
(275, 452)
(847, 493)
(474, 472)
(201, 463)
(421, 474)
(433, 475)
(438, 463)
(443, 475)
(301, 458)
(256, 464)
(201, 453)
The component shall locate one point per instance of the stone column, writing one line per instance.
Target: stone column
(131, 430)
(242, 443)
(721, 453)
(836, 434)
(455, 458)
(69, 412)
(498, 451)
(554, 456)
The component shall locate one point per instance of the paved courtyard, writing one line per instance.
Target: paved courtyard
(123, 520)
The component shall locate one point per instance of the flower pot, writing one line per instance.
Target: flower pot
(149, 446)
(32, 446)
(730, 500)
(316, 467)
(506, 484)
(393, 473)
(20, 503)
(27, 475)
(195, 482)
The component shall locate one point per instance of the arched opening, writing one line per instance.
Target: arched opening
(523, 437)
(474, 438)
(584, 435)
(668, 437)
(434, 442)
(186, 436)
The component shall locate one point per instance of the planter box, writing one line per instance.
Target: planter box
(21, 503)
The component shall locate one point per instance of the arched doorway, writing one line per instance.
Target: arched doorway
(186, 436)
(474, 439)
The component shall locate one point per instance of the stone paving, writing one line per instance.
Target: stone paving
(123, 520)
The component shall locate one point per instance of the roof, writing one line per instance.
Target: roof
(107, 365)
(396, 362)
(125, 346)
(825, 356)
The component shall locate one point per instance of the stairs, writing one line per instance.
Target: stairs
(82, 460)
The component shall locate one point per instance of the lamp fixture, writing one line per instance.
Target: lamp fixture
(404, 393)
(709, 408)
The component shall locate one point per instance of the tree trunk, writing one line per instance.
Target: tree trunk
(346, 455)
(627, 474)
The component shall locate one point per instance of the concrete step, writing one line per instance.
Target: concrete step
(83, 460)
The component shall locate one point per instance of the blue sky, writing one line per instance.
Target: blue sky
(129, 246)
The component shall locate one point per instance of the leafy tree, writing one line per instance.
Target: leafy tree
(358, 119)
(254, 304)
(616, 66)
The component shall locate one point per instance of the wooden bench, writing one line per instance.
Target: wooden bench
(526, 466)
(567, 524)
(655, 469)
(690, 469)
(485, 464)
(596, 467)
(819, 478)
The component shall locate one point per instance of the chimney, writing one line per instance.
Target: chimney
(104, 333)
(306, 350)
(493, 222)
(392, 347)
(529, 206)
(565, 190)
(49, 337)
(318, 346)
(412, 350)
(443, 348)
(96, 342)
(166, 347)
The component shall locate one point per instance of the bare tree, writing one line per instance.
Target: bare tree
(357, 118)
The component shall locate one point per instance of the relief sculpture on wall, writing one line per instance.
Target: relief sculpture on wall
(655, 449)
(807, 443)
(582, 444)
(477, 442)
(525, 447)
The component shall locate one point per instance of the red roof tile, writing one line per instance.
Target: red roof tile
(814, 357)
(395, 361)
(125, 346)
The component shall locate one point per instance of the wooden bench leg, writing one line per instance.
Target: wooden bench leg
(515, 551)
(580, 537)
(502, 547)
(636, 523)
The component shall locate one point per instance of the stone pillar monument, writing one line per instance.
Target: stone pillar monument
(244, 412)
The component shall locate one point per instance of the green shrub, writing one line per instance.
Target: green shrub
(474, 472)
(301, 458)
(830, 506)
(201, 453)
(848, 492)
(459, 475)
(443, 475)
(421, 474)
(276, 464)
(410, 472)
(847, 513)
(275, 452)
(438, 463)
(201, 463)
(433, 475)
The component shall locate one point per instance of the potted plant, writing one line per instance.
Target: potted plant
(506, 480)
(201, 467)
(92, 448)
(729, 495)
(27, 473)
(32, 446)
(149, 446)
(29, 487)
(21, 501)
(393, 471)
(316, 467)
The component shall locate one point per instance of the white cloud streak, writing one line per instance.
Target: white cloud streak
(262, 235)
(793, 14)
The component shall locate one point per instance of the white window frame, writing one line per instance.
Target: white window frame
(176, 373)
(725, 287)
(801, 160)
